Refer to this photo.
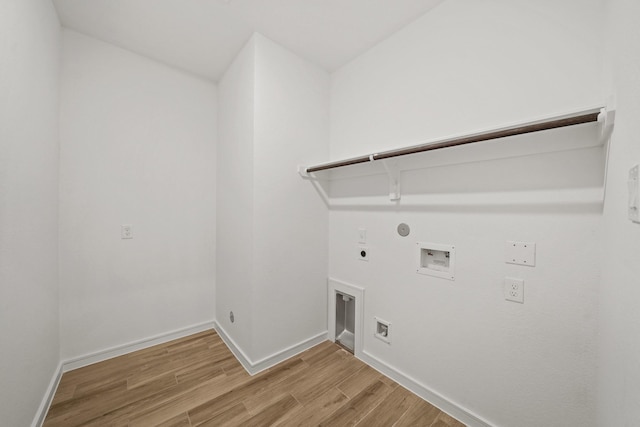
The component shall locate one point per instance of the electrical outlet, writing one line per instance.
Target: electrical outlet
(126, 231)
(514, 289)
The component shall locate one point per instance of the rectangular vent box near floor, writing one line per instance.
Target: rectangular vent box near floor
(344, 315)
(345, 320)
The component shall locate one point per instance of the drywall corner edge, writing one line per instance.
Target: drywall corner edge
(38, 419)
(258, 366)
(239, 354)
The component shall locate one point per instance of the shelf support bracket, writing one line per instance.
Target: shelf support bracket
(606, 118)
(302, 171)
(317, 184)
(393, 171)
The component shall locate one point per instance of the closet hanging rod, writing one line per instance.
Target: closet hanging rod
(578, 118)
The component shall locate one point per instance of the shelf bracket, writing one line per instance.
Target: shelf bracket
(302, 171)
(393, 171)
(606, 119)
(317, 184)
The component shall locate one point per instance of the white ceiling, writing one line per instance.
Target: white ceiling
(203, 36)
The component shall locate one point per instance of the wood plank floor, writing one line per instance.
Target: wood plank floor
(196, 381)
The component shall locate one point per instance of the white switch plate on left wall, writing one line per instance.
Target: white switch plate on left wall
(634, 194)
(362, 235)
(126, 231)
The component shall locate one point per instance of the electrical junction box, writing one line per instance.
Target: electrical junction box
(437, 260)
(521, 253)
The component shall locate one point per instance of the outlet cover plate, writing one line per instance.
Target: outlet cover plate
(126, 231)
(514, 289)
(363, 253)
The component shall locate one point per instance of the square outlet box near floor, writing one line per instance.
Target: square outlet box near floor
(382, 330)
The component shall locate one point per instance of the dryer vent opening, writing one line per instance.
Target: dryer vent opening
(345, 320)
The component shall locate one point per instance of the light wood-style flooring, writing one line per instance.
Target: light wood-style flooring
(196, 381)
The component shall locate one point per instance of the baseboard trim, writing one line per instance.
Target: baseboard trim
(102, 355)
(38, 420)
(240, 355)
(436, 399)
(254, 367)
(282, 355)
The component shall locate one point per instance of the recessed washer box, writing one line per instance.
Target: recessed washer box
(438, 260)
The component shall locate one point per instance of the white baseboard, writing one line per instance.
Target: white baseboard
(102, 355)
(38, 420)
(433, 397)
(260, 365)
(244, 360)
(254, 367)
(436, 399)
(99, 356)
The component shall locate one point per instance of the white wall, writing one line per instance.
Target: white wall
(291, 222)
(235, 198)
(466, 66)
(619, 343)
(479, 64)
(137, 147)
(29, 57)
(272, 247)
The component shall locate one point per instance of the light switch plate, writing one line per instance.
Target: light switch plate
(521, 253)
(634, 194)
(362, 235)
